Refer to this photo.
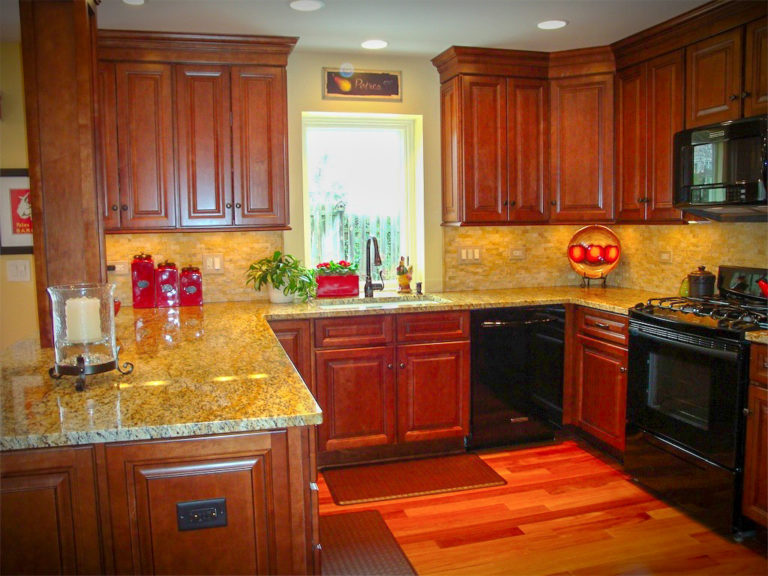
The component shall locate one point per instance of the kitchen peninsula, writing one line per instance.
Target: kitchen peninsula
(212, 408)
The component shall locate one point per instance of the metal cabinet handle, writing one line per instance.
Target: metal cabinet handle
(746, 412)
(746, 94)
(553, 202)
(389, 366)
(402, 364)
(124, 207)
(733, 97)
(603, 326)
(765, 364)
(229, 205)
(622, 369)
(506, 203)
(512, 203)
(115, 207)
(238, 205)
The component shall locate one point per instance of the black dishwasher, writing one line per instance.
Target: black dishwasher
(517, 375)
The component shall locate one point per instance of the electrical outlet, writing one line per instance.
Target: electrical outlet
(213, 263)
(665, 257)
(517, 253)
(120, 268)
(17, 270)
(469, 255)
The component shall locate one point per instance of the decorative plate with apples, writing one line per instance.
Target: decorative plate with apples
(594, 251)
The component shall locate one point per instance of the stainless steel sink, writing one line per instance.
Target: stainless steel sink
(382, 302)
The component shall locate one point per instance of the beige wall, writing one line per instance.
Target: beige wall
(18, 307)
(546, 263)
(421, 96)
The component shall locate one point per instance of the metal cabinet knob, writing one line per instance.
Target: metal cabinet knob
(512, 203)
(402, 364)
(553, 202)
(746, 94)
(622, 369)
(746, 411)
(733, 97)
(603, 326)
(389, 366)
(229, 205)
(115, 208)
(238, 205)
(124, 207)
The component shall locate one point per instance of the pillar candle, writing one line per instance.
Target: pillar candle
(83, 320)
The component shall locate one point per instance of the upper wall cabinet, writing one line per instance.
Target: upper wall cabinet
(726, 76)
(649, 111)
(192, 131)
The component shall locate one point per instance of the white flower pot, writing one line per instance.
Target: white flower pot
(276, 296)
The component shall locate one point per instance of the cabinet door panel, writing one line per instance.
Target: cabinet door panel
(450, 122)
(295, 338)
(527, 149)
(601, 383)
(755, 498)
(713, 79)
(259, 148)
(49, 521)
(203, 145)
(664, 119)
(582, 149)
(631, 167)
(356, 390)
(148, 479)
(107, 175)
(484, 148)
(145, 141)
(756, 69)
(432, 391)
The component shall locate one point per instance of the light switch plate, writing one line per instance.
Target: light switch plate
(665, 257)
(517, 253)
(213, 263)
(17, 270)
(470, 255)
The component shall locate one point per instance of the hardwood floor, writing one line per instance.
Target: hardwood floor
(564, 510)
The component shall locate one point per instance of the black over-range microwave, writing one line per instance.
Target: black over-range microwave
(720, 170)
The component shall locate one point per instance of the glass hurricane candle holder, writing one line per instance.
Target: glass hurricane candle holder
(84, 331)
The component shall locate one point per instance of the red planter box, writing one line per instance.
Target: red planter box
(330, 286)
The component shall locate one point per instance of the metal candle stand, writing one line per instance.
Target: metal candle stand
(586, 281)
(81, 370)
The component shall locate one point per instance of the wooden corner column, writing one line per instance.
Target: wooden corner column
(58, 52)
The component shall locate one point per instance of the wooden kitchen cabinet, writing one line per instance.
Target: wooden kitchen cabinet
(581, 138)
(391, 384)
(296, 339)
(49, 514)
(495, 165)
(721, 83)
(755, 496)
(211, 109)
(649, 111)
(600, 376)
(266, 532)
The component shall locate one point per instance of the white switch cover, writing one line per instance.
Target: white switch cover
(213, 263)
(469, 255)
(665, 256)
(517, 253)
(17, 270)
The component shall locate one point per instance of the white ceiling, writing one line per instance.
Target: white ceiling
(412, 27)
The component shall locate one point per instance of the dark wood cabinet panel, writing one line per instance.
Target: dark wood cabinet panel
(432, 391)
(581, 125)
(203, 139)
(484, 119)
(649, 111)
(601, 388)
(602, 325)
(756, 69)
(432, 326)
(49, 517)
(360, 331)
(664, 118)
(527, 150)
(145, 145)
(758, 364)
(755, 497)
(250, 471)
(259, 146)
(450, 142)
(107, 173)
(356, 391)
(713, 79)
(296, 339)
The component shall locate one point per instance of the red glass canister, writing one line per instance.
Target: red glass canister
(191, 286)
(143, 281)
(167, 285)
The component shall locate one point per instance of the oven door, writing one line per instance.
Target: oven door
(687, 389)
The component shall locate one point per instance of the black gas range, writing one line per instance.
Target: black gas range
(687, 382)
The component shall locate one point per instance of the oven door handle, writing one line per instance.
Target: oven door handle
(729, 355)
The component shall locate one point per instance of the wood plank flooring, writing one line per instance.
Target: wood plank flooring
(564, 510)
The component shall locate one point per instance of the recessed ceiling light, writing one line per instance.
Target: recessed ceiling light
(551, 24)
(307, 5)
(374, 44)
(133, 2)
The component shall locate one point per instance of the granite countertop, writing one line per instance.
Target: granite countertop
(213, 369)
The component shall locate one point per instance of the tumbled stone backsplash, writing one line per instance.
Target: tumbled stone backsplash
(546, 262)
(187, 249)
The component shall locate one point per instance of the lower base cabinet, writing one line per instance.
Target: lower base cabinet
(226, 504)
(755, 497)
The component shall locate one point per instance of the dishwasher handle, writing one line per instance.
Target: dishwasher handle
(491, 324)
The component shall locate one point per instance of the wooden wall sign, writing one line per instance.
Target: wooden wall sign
(343, 84)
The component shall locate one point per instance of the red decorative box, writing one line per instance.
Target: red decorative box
(330, 286)
(166, 285)
(143, 281)
(191, 286)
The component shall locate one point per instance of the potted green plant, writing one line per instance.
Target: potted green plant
(286, 278)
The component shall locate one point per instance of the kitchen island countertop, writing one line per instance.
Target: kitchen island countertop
(210, 370)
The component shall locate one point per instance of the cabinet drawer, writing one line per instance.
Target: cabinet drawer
(602, 325)
(353, 331)
(758, 365)
(431, 326)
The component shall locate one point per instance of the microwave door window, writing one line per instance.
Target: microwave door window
(707, 164)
